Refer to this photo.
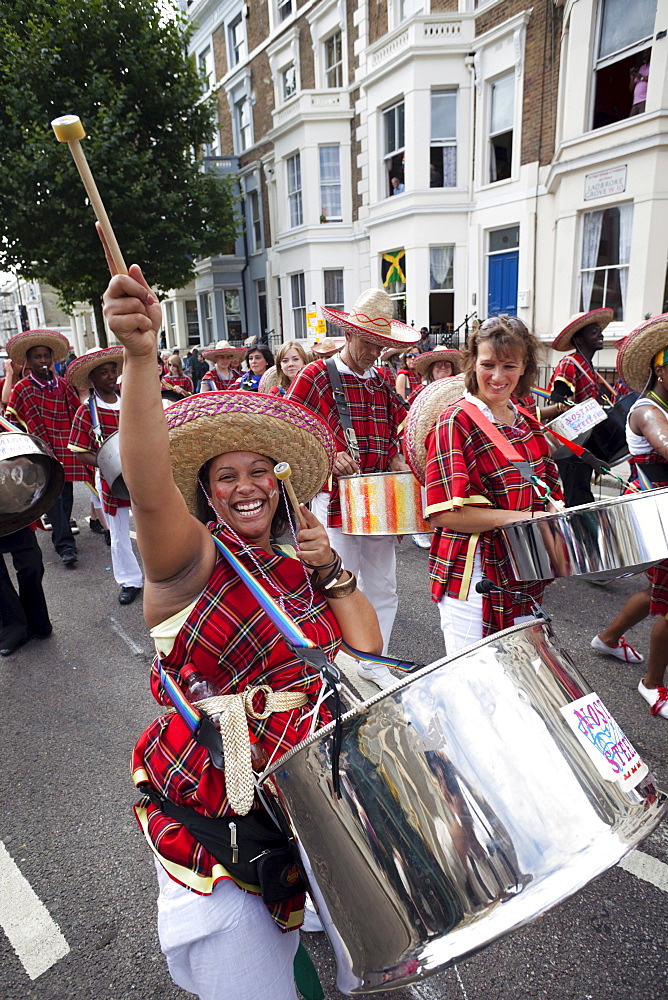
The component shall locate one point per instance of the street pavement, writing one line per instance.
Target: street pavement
(77, 884)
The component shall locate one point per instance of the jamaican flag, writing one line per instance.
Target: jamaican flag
(393, 267)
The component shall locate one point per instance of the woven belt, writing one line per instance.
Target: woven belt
(234, 711)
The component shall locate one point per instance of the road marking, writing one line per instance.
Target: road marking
(648, 868)
(127, 639)
(32, 933)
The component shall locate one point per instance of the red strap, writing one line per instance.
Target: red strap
(510, 453)
(575, 448)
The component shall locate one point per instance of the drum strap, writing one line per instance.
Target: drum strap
(509, 452)
(343, 409)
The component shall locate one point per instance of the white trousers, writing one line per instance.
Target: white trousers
(372, 558)
(224, 946)
(127, 572)
(461, 621)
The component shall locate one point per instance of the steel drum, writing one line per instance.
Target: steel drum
(109, 464)
(475, 795)
(606, 540)
(382, 503)
(576, 424)
(31, 479)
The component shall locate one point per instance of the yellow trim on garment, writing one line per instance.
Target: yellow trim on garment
(456, 503)
(468, 567)
(10, 410)
(560, 378)
(74, 447)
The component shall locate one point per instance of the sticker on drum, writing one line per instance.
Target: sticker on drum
(604, 742)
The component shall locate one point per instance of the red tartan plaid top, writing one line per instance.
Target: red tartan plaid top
(413, 378)
(230, 639)
(219, 383)
(47, 411)
(464, 467)
(377, 413)
(182, 380)
(82, 438)
(579, 376)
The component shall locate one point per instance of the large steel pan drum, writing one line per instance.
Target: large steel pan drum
(31, 479)
(608, 539)
(109, 464)
(382, 503)
(475, 795)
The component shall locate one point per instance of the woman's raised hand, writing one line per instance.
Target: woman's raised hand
(313, 541)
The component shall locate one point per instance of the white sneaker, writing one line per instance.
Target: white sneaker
(622, 651)
(422, 541)
(656, 698)
(312, 923)
(378, 673)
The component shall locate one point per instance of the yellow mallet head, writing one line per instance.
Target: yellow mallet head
(282, 470)
(68, 128)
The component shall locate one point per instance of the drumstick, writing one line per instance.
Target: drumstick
(283, 472)
(68, 128)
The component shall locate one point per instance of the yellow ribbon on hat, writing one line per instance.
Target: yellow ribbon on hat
(660, 358)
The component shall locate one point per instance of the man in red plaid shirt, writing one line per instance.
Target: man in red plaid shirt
(44, 405)
(377, 414)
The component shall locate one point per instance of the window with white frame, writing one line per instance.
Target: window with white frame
(261, 295)
(443, 149)
(330, 184)
(298, 295)
(606, 249)
(208, 317)
(232, 299)
(255, 221)
(333, 295)
(283, 9)
(403, 9)
(501, 120)
(171, 323)
(441, 291)
(624, 54)
(236, 40)
(243, 120)
(294, 169)
(288, 82)
(334, 60)
(192, 322)
(393, 149)
(205, 67)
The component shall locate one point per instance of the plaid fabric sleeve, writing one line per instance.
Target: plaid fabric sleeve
(81, 434)
(450, 478)
(579, 383)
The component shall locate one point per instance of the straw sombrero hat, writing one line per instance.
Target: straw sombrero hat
(223, 347)
(78, 371)
(439, 354)
(423, 414)
(268, 380)
(327, 347)
(371, 317)
(634, 359)
(563, 340)
(19, 345)
(212, 423)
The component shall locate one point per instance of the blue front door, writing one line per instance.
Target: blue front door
(502, 283)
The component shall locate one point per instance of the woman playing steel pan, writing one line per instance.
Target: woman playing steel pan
(473, 485)
(642, 363)
(200, 475)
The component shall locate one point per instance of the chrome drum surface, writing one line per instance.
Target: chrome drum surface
(475, 795)
(608, 539)
(109, 464)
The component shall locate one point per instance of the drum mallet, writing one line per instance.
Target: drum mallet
(282, 471)
(68, 128)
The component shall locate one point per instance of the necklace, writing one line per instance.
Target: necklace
(657, 399)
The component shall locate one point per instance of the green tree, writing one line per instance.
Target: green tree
(121, 66)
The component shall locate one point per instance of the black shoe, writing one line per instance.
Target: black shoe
(70, 559)
(126, 595)
(13, 645)
(107, 536)
(96, 526)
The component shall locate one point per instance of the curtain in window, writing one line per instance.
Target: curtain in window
(440, 267)
(449, 166)
(625, 226)
(592, 238)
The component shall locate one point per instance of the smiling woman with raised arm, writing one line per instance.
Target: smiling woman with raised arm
(201, 476)
(455, 437)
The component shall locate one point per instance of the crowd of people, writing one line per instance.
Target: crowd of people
(227, 556)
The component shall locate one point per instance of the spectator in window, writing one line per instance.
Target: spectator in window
(435, 177)
(397, 186)
(638, 84)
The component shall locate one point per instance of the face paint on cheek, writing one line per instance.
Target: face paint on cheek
(272, 494)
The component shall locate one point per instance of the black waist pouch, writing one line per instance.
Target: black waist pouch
(251, 848)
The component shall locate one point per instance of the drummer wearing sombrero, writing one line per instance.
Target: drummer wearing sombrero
(375, 413)
(94, 422)
(225, 372)
(575, 379)
(201, 476)
(44, 404)
(642, 363)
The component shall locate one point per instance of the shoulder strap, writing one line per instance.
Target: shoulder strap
(509, 452)
(343, 409)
